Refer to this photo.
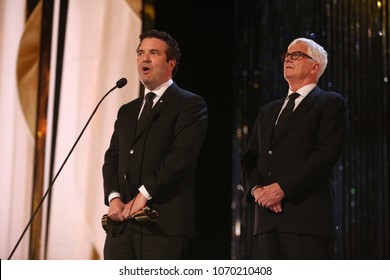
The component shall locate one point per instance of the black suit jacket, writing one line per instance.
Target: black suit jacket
(162, 157)
(301, 160)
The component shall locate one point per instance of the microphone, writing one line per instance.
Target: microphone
(119, 84)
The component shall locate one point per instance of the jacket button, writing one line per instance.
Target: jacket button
(124, 176)
(131, 151)
(269, 174)
(270, 152)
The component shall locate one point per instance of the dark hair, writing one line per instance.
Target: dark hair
(173, 51)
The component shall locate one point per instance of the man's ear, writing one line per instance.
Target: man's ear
(172, 63)
(315, 68)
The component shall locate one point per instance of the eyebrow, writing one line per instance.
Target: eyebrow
(151, 50)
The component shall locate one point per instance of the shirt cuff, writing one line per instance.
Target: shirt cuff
(144, 192)
(253, 189)
(113, 195)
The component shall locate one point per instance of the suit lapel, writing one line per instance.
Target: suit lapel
(162, 102)
(302, 108)
(156, 110)
(131, 119)
(273, 116)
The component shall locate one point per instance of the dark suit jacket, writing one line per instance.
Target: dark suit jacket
(162, 157)
(301, 160)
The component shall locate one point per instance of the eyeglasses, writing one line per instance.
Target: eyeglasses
(297, 55)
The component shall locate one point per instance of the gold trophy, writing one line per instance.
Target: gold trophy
(144, 215)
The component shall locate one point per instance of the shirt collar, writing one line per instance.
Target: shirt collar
(303, 91)
(159, 91)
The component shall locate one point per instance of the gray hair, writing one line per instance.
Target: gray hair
(316, 51)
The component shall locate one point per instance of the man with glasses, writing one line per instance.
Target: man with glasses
(287, 169)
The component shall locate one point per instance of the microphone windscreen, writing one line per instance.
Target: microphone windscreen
(121, 83)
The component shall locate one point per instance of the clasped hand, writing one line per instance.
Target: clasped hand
(270, 197)
(119, 211)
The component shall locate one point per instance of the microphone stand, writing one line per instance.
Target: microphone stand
(119, 84)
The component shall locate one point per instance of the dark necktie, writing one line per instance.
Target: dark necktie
(146, 110)
(285, 115)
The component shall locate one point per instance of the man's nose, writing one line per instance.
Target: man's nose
(288, 58)
(146, 58)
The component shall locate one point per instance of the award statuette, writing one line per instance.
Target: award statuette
(144, 215)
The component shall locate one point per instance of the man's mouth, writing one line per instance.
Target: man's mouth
(145, 69)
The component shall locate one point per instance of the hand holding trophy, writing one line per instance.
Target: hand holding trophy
(144, 215)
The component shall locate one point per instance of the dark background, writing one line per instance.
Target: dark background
(231, 56)
(204, 30)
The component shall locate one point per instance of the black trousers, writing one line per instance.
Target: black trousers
(275, 245)
(132, 244)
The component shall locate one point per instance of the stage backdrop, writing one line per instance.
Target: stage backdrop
(99, 48)
(355, 34)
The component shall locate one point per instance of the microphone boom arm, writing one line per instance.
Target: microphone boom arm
(119, 84)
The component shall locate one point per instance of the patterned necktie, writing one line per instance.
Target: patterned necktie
(286, 114)
(146, 110)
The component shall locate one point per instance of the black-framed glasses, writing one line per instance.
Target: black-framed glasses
(295, 56)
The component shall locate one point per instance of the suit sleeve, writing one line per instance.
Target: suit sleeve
(110, 166)
(249, 175)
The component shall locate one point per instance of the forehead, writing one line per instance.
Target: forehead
(300, 46)
(152, 43)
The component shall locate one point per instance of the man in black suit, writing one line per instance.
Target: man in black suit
(287, 169)
(152, 162)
